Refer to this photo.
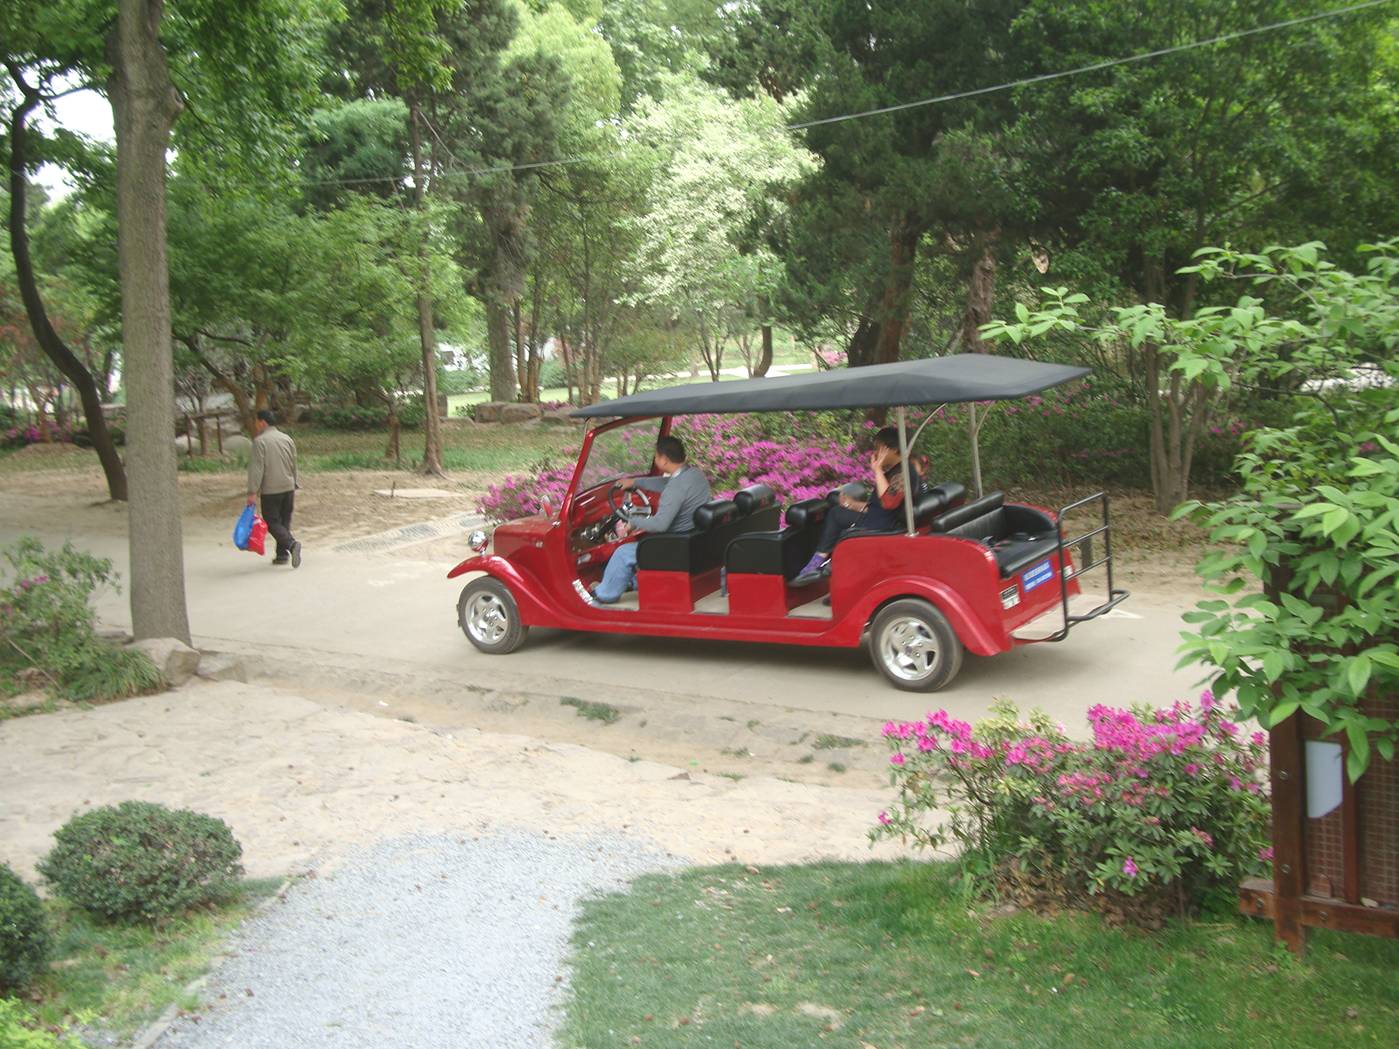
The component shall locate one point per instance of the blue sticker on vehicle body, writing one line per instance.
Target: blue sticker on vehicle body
(1037, 574)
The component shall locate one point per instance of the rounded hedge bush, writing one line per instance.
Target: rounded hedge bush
(139, 861)
(24, 932)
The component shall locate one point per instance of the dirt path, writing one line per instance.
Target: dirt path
(299, 782)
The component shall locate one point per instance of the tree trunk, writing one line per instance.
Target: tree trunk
(981, 292)
(394, 450)
(567, 358)
(898, 292)
(517, 333)
(427, 337)
(145, 105)
(498, 343)
(49, 341)
(247, 415)
(860, 350)
(765, 354)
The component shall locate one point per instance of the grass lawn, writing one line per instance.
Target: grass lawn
(118, 977)
(499, 450)
(891, 955)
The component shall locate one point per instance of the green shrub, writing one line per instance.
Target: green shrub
(83, 439)
(15, 1034)
(48, 632)
(139, 861)
(356, 417)
(24, 934)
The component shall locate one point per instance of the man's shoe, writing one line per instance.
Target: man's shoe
(815, 570)
(296, 555)
(586, 594)
(279, 560)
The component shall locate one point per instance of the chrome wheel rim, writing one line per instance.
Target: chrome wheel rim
(908, 649)
(487, 618)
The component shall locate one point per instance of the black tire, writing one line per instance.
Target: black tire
(914, 646)
(489, 617)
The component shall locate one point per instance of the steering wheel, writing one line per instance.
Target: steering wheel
(627, 503)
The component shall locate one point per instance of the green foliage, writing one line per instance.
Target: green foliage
(25, 942)
(47, 628)
(1317, 520)
(1162, 808)
(16, 1033)
(359, 417)
(1141, 164)
(139, 861)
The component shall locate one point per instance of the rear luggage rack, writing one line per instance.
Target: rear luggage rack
(1085, 543)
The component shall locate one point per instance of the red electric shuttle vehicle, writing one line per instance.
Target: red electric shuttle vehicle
(974, 573)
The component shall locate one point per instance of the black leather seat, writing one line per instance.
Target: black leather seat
(1017, 535)
(782, 553)
(717, 523)
(754, 498)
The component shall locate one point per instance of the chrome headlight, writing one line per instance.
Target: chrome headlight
(478, 540)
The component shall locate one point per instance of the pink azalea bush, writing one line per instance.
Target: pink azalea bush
(1162, 807)
(19, 436)
(733, 451)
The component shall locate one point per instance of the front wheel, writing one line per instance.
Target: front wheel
(490, 618)
(914, 646)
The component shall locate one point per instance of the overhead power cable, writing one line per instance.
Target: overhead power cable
(1009, 85)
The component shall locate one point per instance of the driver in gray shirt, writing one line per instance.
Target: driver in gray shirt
(684, 489)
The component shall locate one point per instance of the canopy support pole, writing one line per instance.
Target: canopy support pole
(976, 448)
(901, 413)
(923, 425)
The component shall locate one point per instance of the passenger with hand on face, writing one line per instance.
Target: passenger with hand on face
(684, 489)
(876, 512)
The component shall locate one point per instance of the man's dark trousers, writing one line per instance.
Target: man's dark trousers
(276, 511)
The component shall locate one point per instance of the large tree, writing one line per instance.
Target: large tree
(145, 104)
(891, 186)
(1137, 166)
(31, 96)
(716, 165)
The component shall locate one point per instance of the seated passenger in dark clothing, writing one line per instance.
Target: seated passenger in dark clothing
(878, 511)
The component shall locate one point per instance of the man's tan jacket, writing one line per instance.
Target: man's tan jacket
(272, 465)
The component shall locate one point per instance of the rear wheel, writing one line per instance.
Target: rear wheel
(914, 646)
(490, 618)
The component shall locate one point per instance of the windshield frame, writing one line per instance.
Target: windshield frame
(586, 451)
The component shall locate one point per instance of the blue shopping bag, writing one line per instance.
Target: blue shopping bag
(244, 527)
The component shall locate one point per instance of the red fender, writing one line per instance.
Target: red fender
(980, 638)
(536, 609)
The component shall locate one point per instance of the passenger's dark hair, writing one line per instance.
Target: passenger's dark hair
(671, 448)
(268, 417)
(889, 437)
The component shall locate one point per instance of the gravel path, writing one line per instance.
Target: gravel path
(417, 943)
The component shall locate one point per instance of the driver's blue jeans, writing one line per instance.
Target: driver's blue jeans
(619, 576)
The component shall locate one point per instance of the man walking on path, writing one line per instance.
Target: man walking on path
(272, 474)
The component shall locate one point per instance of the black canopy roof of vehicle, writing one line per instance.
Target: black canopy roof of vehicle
(936, 380)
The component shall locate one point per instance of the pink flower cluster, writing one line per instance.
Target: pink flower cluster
(732, 452)
(1128, 743)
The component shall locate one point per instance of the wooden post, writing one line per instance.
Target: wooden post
(1289, 853)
